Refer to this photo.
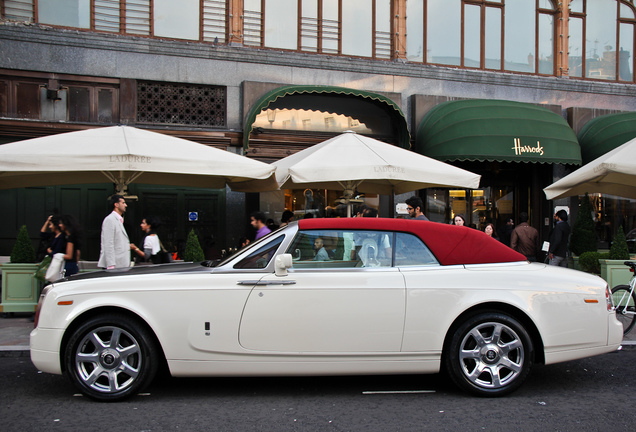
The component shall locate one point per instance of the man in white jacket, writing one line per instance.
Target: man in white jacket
(115, 245)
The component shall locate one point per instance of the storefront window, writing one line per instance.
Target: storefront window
(458, 203)
(612, 212)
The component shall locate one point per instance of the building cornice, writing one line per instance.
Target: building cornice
(43, 35)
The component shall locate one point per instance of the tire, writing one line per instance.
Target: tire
(111, 357)
(491, 354)
(620, 294)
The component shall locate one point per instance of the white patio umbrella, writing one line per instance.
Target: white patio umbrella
(613, 173)
(353, 162)
(122, 155)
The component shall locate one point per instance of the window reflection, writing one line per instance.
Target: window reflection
(492, 38)
(281, 30)
(356, 28)
(472, 36)
(546, 45)
(625, 62)
(443, 32)
(341, 249)
(176, 19)
(300, 119)
(576, 47)
(600, 39)
(520, 36)
(68, 13)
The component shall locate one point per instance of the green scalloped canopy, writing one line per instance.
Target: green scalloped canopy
(605, 133)
(496, 130)
(335, 102)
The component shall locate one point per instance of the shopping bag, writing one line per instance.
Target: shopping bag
(56, 268)
(40, 273)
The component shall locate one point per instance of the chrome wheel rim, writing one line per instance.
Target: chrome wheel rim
(108, 359)
(491, 355)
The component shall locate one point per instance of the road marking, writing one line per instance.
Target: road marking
(397, 392)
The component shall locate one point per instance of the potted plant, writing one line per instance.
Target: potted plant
(583, 238)
(193, 251)
(613, 269)
(20, 289)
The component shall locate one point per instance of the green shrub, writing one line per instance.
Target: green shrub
(619, 250)
(589, 261)
(23, 251)
(193, 251)
(583, 237)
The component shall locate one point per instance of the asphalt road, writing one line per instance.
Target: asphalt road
(594, 394)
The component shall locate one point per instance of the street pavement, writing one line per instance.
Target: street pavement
(15, 330)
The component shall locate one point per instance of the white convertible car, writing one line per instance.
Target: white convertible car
(328, 297)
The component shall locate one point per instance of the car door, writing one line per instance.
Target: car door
(333, 306)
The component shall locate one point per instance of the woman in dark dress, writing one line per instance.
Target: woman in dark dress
(69, 226)
(51, 233)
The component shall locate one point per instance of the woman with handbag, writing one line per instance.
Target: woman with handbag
(150, 244)
(69, 226)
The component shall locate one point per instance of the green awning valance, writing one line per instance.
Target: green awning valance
(605, 133)
(339, 100)
(496, 130)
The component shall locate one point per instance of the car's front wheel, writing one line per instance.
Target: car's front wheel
(491, 354)
(111, 357)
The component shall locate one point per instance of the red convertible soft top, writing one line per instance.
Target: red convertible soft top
(450, 244)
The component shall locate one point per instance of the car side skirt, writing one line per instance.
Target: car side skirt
(279, 366)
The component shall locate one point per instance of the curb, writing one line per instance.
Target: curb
(14, 351)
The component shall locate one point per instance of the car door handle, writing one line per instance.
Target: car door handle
(260, 282)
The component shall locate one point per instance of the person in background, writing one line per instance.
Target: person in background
(506, 231)
(115, 245)
(559, 240)
(50, 233)
(525, 239)
(490, 231)
(258, 221)
(459, 220)
(73, 232)
(286, 217)
(415, 207)
(271, 225)
(150, 245)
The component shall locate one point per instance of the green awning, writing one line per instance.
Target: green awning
(339, 100)
(496, 130)
(605, 133)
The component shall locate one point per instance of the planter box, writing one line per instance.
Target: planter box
(615, 272)
(20, 289)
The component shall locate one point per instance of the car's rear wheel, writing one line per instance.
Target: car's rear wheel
(111, 357)
(491, 354)
(625, 306)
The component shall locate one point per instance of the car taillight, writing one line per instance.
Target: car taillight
(609, 300)
(39, 306)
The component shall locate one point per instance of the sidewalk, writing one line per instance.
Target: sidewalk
(14, 335)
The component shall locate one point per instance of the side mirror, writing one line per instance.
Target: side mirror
(282, 263)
